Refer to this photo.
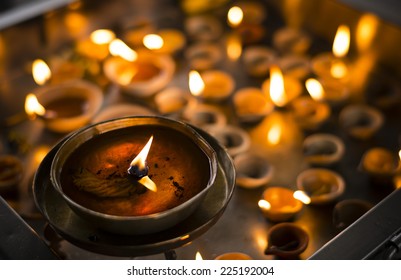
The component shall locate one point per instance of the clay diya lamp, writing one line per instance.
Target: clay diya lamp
(142, 74)
(380, 163)
(203, 56)
(281, 89)
(296, 66)
(135, 30)
(361, 121)
(251, 105)
(211, 85)
(252, 170)
(321, 185)
(323, 149)
(134, 175)
(258, 60)
(310, 114)
(290, 40)
(286, 240)
(383, 90)
(202, 115)
(348, 211)
(165, 41)
(335, 93)
(96, 45)
(11, 172)
(233, 138)
(278, 204)
(234, 256)
(172, 101)
(67, 106)
(203, 28)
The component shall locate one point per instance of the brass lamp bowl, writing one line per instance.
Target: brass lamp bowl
(142, 212)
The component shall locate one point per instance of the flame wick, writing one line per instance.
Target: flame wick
(140, 159)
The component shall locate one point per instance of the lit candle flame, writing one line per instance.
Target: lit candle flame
(153, 42)
(140, 162)
(277, 91)
(341, 41)
(235, 16)
(234, 47)
(102, 36)
(196, 83)
(40, 71)
(198, 256)
(302, 196)
(33, 107)
(315, 89)
(264, 204)
(119, 48)
(274, 134)
(366, 30)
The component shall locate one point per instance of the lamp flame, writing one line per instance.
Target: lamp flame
(119, 48)
(102, 36)
(277, 91)
(302, 196)
(198, 256)
(234, 47)
(196, 84)
(153, 41)
(315, 89)
(40, 71)
(341, 41)
(235, 16)
(264, 204)
(140, 162)
(33, 107)
(274, 134)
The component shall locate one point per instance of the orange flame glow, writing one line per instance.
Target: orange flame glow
(102, 36)
(277, 91)
(33, 107)
(341, 41)
(40, 71)
(153, 42)
(274, 134)
(196, 83)
(119, 48)
(235, 16)
(315, 89)
(264, 204)
(198, 256)
(302, 196)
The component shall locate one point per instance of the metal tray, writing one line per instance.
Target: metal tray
(82, 234)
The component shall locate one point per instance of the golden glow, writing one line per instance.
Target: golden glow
(366, 31)
(277, 91)
(196, 84)
(274, 134)
(119, 48)
(198, 256)
(338, 69)
(140, 161)
(234, 47)
(76, 23)
(153, 41)
(41, 72)
(302, 196)
(399, 154)
(102, 36)
(264, 204)
(33, 107)
(235, 16)
(40, 154)
(341, 41)
(314, 88)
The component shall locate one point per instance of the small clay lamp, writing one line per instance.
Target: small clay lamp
(296, 66)
(361, 121)
(290, 40)
(278, 204)
(203, 56)
(380, 163)
(173, 101)
(11, 169)
(348, 211)
(321, 185)
(286, 240)
(141, 73)
(202, 115)
(203, 28)
(65, 107)
(258, 60)
(252, 170)
(251, 105)
(233, 138)
(233, 256)
(323, 149)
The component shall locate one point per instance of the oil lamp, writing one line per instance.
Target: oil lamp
(65, 107)
(203, 27)
(380, 163)
(172, 101)
(140, 73)
(278, 204)
(96, 46)
(281, 90)
(323, 149)
(258, 60)
(203, 55)
(96, 174)
(253, 170)
(290, 40)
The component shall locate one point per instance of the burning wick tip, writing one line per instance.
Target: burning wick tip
(137, 173)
